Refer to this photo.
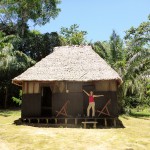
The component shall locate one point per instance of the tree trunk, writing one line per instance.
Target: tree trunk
(6, 95)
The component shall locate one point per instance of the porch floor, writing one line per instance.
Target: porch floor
(104, 121)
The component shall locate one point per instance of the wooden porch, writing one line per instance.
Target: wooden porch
(105, 122)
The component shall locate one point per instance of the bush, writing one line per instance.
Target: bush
(18, 100)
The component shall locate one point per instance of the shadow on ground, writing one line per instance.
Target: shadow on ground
(5, 113)
(34, 123)
(140, 116)
(8, 112)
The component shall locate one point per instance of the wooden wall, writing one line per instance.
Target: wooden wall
(72, 91)
(109, 85)
(61, 87)
(31, 105)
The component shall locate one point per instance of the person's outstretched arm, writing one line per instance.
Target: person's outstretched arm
(97, 95)
(86, 92)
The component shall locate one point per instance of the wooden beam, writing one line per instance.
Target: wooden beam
(38, 120)
(105, 120)
(115, 123)
(66, 120)
(76, 121)
(55, 120)
(33, 87)
(47, 121)
(27, 86)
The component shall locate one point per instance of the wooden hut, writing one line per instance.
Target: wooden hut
(61, 76)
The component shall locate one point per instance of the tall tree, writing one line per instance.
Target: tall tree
(21, 11)
(116, 47)
(113, 52)
(72, 35)
(37, 45)
(131, 61)
(12, 63)
(103, 49)
(138, 63)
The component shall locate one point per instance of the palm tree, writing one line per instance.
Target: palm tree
(138, 61)
(12, 62)
(132, 62)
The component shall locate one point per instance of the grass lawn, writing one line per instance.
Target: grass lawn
(135, 136)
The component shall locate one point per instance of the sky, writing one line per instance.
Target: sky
(99, 17)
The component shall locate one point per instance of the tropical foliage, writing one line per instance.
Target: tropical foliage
(72, 35)
(12, 62)
(138, 63)
(37, 45)
(20, 12)
(132, 61)
(18, 100)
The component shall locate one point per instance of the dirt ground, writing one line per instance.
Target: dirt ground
(135, 136)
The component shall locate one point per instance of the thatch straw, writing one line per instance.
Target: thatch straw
(70, 63)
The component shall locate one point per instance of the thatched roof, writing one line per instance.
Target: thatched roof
(70, 63)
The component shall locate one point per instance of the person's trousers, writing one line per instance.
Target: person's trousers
(91, 105)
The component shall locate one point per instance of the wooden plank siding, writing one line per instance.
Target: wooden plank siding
(30, 87)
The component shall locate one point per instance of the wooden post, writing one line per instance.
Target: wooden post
(55, 120)
(115, 124)
(47, 121)
(66, 120)
(27, 83)
(84, 125)
(33, 86)
(38, 120)
(6, 95)
(105, 122)
(94, 125)
(76, 121)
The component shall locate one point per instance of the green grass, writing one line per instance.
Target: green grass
(7, 113)
(144, 113)
(135, 135)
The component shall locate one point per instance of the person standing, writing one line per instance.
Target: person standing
(91, 102)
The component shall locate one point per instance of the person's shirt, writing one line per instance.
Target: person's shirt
(91, 99)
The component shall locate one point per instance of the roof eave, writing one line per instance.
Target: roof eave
(16, 82)
(19, 82)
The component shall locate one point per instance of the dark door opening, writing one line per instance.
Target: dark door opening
(46, 104)
(87, 88)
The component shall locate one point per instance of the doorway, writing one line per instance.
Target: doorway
(87, 88)
(46, 103)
